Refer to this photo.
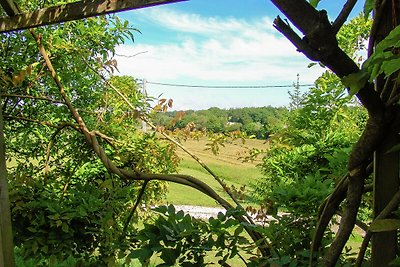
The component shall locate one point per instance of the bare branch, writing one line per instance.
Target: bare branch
(321, 38)
(49, 146)
(330, 207)
(300, 44)
(344, 14)
(33, 98)
(134, 55)
(44, 123)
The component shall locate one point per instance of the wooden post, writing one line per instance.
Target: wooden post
(386, 184)
(6, 236)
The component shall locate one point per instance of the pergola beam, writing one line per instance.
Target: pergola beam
(68, 12)
(9, 7)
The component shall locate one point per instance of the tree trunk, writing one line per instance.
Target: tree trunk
(386, 184)
(386, 165)
(6, 236)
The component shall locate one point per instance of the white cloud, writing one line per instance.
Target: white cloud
(215, 51)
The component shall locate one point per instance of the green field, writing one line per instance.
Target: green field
(226, 164)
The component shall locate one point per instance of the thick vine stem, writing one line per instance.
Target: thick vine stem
(326, 212)
(91, 139)
(330, 207)
(391, 206)
(353, 200)
(358, 162)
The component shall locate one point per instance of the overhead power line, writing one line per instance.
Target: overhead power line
(229, 86)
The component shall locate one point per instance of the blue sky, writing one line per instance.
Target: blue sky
(215, 42)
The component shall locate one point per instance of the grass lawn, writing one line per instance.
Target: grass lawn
(226, 165)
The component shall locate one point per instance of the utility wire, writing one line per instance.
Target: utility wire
(228, 86)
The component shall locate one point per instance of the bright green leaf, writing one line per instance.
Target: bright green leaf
(355, 81)
(391, 66)
(314, 3)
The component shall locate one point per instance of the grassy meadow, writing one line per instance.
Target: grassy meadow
(226, 164)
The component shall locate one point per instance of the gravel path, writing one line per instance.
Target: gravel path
(199, 212)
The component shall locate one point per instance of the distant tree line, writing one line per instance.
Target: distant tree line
(259, 122)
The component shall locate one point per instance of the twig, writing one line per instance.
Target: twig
(359, 223)
(49, 146)
(299, 43)
(134, 55)
(33, 98)
(45, 123)
(132, 212)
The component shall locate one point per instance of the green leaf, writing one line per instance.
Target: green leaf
(384, 225)
(168, 256)
(221, 216)
(65, 227)
(312, 64)
(238, 230)
(355, 81)
(391, 66)
(314, 3)
(394, 148)
(368, 7)
(142, 254)
(171, 210)
(390, 41)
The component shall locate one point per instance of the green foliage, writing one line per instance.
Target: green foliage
(385, 60)
(257, 122)
(65, 203)
(80, 209)
(177, 238)
(309, 156)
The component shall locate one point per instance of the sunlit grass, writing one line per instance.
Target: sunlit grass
(226, 165)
